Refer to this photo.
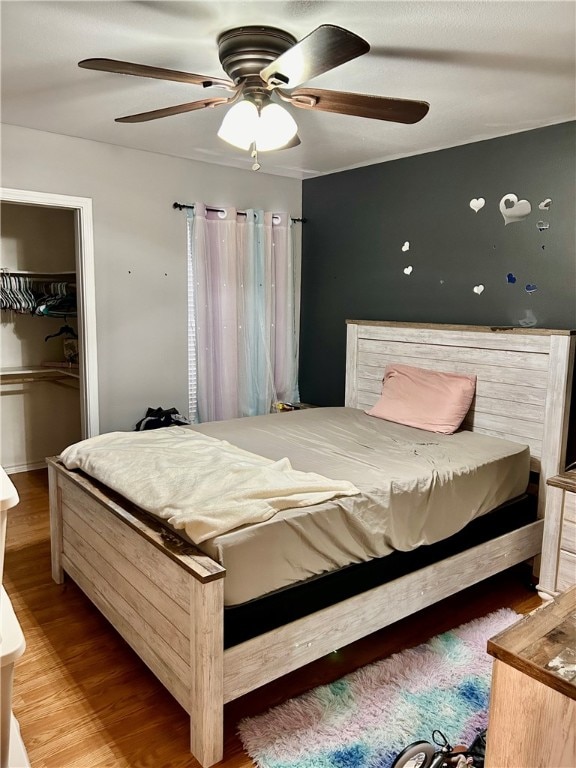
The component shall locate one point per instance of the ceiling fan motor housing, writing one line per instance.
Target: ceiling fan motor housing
(245, 51)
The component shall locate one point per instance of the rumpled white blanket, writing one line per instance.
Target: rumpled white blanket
(198, 483)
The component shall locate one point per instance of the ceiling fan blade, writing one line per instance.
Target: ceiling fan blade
(179, 109)
(142, 70)
(358, 104)
(323, 49)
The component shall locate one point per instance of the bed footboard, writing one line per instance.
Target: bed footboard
(169, 609)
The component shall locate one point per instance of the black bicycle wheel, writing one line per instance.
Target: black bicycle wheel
(416, 755)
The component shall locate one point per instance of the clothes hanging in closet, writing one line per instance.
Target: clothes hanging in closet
(37, 296)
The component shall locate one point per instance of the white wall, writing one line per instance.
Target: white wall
(140, 251)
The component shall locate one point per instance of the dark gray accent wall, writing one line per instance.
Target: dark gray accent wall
(357, 222)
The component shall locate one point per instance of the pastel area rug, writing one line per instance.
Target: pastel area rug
(365, 719)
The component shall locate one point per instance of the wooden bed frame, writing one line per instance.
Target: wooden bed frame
(167, 601)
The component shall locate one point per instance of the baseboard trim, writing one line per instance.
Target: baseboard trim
(25, 467)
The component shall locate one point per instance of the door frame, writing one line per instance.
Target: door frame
(85, 291)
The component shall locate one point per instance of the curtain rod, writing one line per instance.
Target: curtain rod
(182, 206)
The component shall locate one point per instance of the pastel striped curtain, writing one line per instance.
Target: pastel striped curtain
(242, 337)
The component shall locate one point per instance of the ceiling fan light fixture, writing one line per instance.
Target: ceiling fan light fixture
(240, 124)
(271, 127)
(276, 128)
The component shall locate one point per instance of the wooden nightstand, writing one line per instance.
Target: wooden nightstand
(558, 567)
(532, 719)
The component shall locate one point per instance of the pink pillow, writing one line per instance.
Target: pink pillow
(424, 399)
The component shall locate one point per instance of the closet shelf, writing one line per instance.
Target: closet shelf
(44, 372)
(36, 273)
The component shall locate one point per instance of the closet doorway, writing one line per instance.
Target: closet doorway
(44, 405)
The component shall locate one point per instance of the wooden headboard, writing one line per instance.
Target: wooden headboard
(524, 377)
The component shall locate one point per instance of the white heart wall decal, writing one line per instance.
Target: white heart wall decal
(478, 289)
(513, 209)
(477, 203)
(406, 246)
(407, 270)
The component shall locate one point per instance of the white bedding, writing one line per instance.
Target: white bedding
(416, 488)
(198, 483)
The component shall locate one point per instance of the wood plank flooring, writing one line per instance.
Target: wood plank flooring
(84, 700)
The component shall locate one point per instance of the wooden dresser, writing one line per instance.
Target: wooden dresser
(558, 569)
(532, 718)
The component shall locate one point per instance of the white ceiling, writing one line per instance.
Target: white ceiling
(486, 68)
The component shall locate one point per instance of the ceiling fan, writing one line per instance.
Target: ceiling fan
(266, 65)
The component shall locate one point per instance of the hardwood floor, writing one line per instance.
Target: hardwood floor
(85, 700)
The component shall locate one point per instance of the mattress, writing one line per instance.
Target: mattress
(417, 488)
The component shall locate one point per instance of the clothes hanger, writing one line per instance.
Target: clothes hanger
(64, 329)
